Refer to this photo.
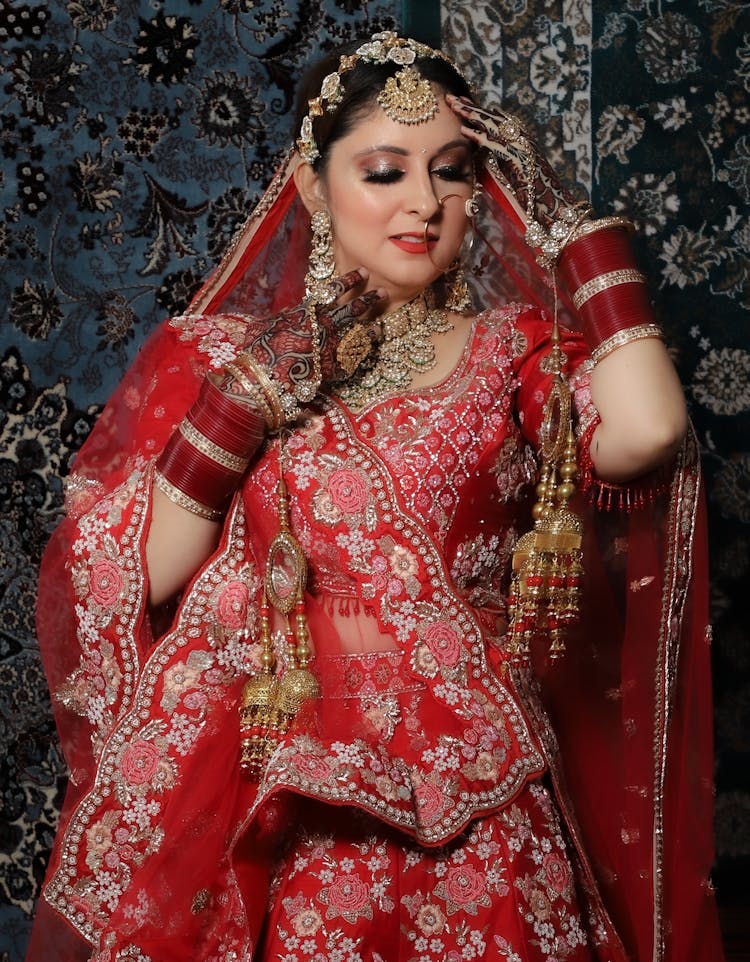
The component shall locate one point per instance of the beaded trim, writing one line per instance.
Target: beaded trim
(621, 338)
(183, 500)
(602, 223)
(603, 282)
(218, 454)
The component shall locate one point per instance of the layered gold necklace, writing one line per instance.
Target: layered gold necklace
(405, 349)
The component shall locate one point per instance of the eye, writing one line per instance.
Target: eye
(452, 172)
(383, 175)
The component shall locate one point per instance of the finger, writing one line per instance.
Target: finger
(360, 305)
(340, 285)
(342, 317)
(464, 107)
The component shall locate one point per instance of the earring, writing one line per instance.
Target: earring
(320, 268)
(458, 295)
(472, 204)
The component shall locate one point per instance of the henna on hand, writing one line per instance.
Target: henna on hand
(297, 348)
(550, 209)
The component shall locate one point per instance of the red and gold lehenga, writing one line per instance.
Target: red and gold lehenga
(438, 801)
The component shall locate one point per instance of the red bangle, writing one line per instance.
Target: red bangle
(206, 456)
(607, 288)
(232, 425)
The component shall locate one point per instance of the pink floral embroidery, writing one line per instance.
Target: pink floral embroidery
(347, 896)
(307, 922)
(463, 888)
(430, 920)
(105, 582)
(139, 762)
(312, 767)
(232, 604)
(558, 873)
(347, 490)
(177, 679)
(430, 802)
(98, 842)
(444, 643)
(403, 562)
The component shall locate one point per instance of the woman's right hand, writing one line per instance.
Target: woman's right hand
(310, 347)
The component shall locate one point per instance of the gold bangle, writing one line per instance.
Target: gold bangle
(233, 462)
(603, 282)
(638, 333)
(252, 390)
(266, 386)
(185, 501)
(603, 223)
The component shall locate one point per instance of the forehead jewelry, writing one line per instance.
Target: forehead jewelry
(407, 97)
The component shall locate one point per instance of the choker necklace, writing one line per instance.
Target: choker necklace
(405, 349)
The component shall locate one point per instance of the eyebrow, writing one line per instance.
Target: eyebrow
(391, 149)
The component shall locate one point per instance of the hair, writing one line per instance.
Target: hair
(361, 86)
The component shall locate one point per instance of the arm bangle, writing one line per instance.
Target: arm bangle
(603, 282)
(226, 459)
(621, 338)
(185, 501)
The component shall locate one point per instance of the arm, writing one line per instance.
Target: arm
(642, 408)
(634, 385)
(179, 543)
(206, 458)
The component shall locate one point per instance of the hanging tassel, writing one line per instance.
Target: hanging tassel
(271, 703)
(258, 700)
(544, 597)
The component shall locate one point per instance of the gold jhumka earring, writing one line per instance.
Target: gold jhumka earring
(320, 267)
(547, 561)
(458, 296)
(270, 703)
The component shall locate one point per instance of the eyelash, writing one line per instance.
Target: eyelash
(394, 174)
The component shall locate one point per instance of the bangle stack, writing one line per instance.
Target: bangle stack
(607, 289)
(203, 461)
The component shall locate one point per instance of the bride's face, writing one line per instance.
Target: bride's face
(383, 182)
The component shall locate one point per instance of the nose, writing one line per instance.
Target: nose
(423, 199)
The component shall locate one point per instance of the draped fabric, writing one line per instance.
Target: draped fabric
(407, 512)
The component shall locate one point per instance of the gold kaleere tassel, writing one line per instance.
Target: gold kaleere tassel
(258, 699)
(270, 703)
(546, 574)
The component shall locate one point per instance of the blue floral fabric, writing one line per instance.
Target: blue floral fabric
(135, 137)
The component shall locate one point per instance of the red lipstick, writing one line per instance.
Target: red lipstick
(414, 243)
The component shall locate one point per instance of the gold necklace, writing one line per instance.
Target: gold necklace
(405, 349)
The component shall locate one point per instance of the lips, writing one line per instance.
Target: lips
(414, 243)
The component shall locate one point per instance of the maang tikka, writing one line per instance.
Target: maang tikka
(408, 98)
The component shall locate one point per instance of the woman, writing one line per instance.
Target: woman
(351, 760)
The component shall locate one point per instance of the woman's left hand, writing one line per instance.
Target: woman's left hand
(520, 169)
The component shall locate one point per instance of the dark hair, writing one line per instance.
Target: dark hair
(361, 85)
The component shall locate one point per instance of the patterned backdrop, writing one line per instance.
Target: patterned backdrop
(135, 137)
